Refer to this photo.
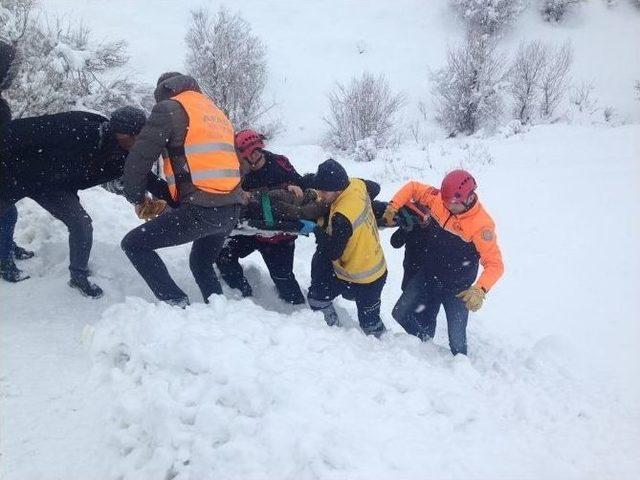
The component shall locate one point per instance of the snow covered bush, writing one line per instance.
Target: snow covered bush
(468, 90)
(555, 79)
(525, 76)
(488, 16)
(61, 68)
(365, 108)
(555, 10)
(230, 64)
(637, 87)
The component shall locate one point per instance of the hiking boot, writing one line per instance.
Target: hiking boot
(21, 253)
(10, 272)
(330, 315)
(81, 283)
(182, 302)
(245, 289)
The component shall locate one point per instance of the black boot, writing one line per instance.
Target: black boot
(81, 282)
(10, 272)
(21, 253)
(245, 288)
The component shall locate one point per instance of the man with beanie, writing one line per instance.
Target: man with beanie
(49, 158)
(196, 141)
(8, 249)
(349, 260)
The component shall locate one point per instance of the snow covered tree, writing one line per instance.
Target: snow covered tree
(468, 91)
(488, 16)
(229, 63)
(555, 10)
(362, 113)
(61, 68)
(637, 87)
(524, 78)
(555, 79)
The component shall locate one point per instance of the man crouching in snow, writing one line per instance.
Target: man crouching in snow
(463, 234)
(196, 140)
(349, 260)
(49, 158)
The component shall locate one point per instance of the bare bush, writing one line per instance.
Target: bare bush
(582, 97)
(229, 62)
(555, 10)
(364, 109)
(555, 79)
(488, 16)
(468, 91)
(525, 76)
(61, 68)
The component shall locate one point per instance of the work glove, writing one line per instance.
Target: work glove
(150, 208)
(306, 227)
(389, 214)
(472, 298)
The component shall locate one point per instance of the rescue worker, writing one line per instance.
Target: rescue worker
(264, 171)
(8, 249)
(202, 169)
(349, 260)
(50, 157)
(462, 233)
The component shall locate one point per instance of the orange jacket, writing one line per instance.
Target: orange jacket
(208, 147)
(474, 225)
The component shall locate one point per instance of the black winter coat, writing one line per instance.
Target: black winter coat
(64, 151)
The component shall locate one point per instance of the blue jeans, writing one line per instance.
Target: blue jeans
(7, 226)
(417, 309)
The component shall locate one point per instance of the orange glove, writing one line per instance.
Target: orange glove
(150, 208)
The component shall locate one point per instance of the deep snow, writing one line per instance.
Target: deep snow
(257, 389)
(124, 387)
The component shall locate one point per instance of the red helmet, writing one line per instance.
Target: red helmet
(457, 186)
(248, 141)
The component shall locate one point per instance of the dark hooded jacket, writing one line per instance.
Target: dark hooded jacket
(166, 129)
(63, 151)
(7, 58)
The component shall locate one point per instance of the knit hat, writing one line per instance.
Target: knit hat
(330, 177)
(128, 120)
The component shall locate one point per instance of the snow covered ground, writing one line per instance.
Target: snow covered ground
(124, 387)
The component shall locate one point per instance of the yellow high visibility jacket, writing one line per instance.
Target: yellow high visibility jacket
(208, 147)
(363, 259)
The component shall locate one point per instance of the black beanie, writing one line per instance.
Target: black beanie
(166, 76)
(331, 177)
(128, 120)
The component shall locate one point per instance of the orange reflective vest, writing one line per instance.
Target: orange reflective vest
(474, 225)
(209, 149)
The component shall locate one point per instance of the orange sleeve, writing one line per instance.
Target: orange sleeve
(490, 257)
(413, 191)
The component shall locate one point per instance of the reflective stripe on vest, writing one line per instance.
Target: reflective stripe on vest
(211, 161)
(363, 259)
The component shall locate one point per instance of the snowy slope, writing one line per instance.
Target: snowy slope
(313, 44)
(256, 389)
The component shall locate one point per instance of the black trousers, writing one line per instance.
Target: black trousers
(65, 206)
(277, 256)
(206, 227)
(325, 286)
